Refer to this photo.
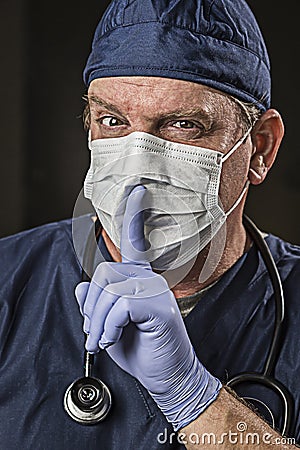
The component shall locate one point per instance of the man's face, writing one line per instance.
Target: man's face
(177, 111)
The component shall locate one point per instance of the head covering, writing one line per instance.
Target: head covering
(213, 42)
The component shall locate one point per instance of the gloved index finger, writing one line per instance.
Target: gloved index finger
(133, 245)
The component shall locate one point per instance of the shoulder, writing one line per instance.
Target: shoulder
(283, 248)
(287, 259)
(285, 254)
(38, 246)
(47, 233)
(30, 240)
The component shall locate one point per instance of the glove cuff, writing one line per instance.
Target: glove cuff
(191, 395)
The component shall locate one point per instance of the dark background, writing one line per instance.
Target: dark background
(44, 46)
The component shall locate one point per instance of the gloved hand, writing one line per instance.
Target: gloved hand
(130, 312)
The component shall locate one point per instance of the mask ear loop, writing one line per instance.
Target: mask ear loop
(247, 184)
(239, 142)
(242, 105)
(89, 139)
(236, 203)
(251, 124)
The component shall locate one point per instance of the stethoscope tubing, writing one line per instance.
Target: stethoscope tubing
(266, 378)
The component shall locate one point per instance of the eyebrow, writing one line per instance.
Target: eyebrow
(176, 114)
(104, 104)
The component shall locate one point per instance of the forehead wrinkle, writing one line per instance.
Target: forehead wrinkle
(207, 97)
(113, 108)
(104, 104)
(214, 106)
(156, 83)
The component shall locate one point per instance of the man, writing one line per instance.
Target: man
(179, 124)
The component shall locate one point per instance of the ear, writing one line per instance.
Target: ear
(266, 137)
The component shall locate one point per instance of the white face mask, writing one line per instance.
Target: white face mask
(182, 211)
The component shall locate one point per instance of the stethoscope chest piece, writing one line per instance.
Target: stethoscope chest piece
(87, 400)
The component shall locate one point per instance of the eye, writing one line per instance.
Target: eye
(110, 121)
(186, 124)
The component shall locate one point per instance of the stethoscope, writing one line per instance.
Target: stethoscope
(88, 400)
(265, 378)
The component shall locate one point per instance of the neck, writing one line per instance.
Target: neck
(237, 242)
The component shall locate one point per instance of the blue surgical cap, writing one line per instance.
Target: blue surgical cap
(213, 42)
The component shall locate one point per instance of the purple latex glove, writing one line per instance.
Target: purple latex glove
(131, 313)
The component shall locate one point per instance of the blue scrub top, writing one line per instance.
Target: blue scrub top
(41, 344)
